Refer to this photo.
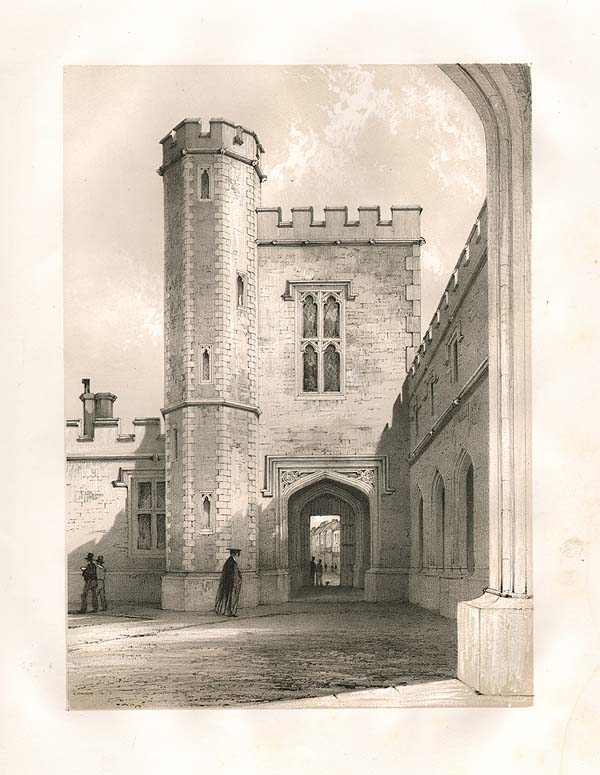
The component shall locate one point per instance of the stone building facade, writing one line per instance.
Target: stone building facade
(325, 543)
(447, 393)
(115, 500)
(287, 350)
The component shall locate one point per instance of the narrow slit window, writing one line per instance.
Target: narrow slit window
(241, 291)
(432, 396)
(174, 444)
(206, 509)
(204, 185)
(206, 375)
(454, 360)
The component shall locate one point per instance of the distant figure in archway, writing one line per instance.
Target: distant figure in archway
(320, 573)
(313, 571)
(228, 594)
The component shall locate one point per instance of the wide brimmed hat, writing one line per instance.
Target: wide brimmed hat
(233, 550)
(89, 556)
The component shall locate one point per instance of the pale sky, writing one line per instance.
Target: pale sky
(333, 136)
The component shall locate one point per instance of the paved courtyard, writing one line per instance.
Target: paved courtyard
(134, 658)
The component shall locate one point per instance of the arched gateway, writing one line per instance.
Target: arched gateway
(331, 498)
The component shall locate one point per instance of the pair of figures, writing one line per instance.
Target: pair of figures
(230, 585)
(94, 576)
(316, 573)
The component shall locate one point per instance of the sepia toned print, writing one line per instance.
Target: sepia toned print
(333, 508)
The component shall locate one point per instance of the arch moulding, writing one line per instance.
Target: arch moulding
(495, 631)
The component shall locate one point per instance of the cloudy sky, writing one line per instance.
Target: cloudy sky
(355, 136)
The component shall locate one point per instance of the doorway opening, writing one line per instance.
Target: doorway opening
(330, 523)
(325, 550)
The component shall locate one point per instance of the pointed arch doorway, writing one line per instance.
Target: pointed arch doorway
(332, 499)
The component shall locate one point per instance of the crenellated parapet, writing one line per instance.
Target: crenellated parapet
(404, 226)
(224, 137)
(464, 273)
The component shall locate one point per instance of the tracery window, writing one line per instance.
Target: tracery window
(321, 345)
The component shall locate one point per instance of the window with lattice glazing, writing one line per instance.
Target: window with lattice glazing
(148, 516)
(320, 341)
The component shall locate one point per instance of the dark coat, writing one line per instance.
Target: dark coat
(228, 594)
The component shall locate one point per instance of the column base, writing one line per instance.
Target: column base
(495, 644)
(274, 586)
(386, 584)
(188, 591)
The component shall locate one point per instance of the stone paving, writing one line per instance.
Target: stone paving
(148, 658)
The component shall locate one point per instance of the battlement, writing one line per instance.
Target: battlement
(223, 137)
(403, 227)
(463, 275)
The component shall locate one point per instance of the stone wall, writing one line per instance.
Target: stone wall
(446, 437)
(380, 266)
(98, 514)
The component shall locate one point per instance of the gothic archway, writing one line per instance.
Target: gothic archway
(495, 631)
(329, 497)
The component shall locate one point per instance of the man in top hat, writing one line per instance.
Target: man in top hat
(100, 577)
(228, 594)
(90, 584)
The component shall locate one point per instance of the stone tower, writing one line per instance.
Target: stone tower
(211, 191)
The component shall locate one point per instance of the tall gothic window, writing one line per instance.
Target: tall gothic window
(438, 512)
(420, 547)
(321, 341)
(470, 520)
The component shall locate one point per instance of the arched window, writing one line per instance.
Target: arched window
(419, 527)
(206, 375)
(470, 521)
(204, 185)
(310, 313)
(241, 291)
(310, 380)
(331, 364)
(206, 508)
(438, 511)
(464, 487)
(331, 322)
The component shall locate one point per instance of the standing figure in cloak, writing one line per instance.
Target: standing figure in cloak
(228, 594)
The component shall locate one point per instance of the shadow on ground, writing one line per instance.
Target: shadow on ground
(134, 659)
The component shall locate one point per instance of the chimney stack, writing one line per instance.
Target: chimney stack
(87, 398)
(103, 405)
